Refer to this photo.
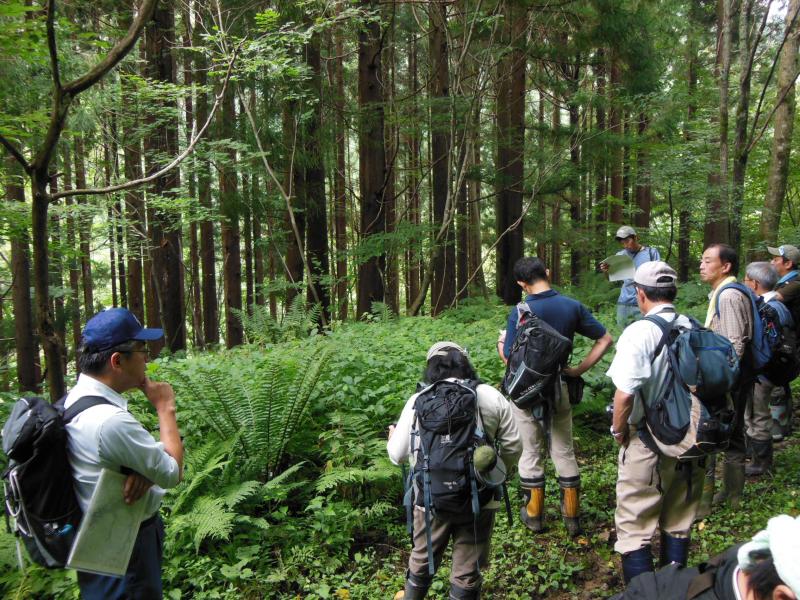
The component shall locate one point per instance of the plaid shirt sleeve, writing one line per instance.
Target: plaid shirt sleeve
(734, 319)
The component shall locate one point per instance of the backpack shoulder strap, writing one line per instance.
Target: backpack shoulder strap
(81, 405)
(743, 289)
(707, 577)
(665, 327)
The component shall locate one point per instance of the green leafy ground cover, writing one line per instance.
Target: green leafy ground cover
(289, 493)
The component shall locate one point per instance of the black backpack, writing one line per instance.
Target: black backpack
(446, 431)
(38, 485)
(537, 356)
(783, 366)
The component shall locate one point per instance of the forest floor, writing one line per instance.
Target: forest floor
(550, 565)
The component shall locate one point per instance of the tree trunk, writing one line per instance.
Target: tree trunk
(391, 144)
(684, 223)
(615, 127)
(231, 252)
(555, 221)
(372, 158)
(110, 218)
(783, 128)
(194, 242)
(294, 183)
(444, 277)
(644, 190)
(167, 254)
(717, 226)
(601, 211)
(207, 242)
(56, 272)
(510, 152)
(136, 231)
(40, 178)
(74, 303)
(84, 223)
(24, 337)
(258, 240)
(316, 200)
(413, 150)
(740, 153)
(339, 183)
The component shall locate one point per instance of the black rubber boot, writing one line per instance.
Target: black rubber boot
(637, 562)
(673, 550)
(762, 459)
(459, 593)
(570, 510)
(416, 587)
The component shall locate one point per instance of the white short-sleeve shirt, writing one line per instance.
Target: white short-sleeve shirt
(633, 369)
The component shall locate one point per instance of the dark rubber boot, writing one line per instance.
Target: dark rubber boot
(532, 512)
(459, 593)
(416, 587)
(732, 485)
(707, 495)
(636, 562)
(762, 459)
(673, 550)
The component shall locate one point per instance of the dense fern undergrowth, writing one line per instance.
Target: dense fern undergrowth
(288, 491)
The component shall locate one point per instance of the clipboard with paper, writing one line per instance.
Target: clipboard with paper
(107, 534)
(620, 267)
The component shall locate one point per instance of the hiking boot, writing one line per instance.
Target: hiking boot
(532, 512)
(762, 459)
(570, 507)
(732, 485)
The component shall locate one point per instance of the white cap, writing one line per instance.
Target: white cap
(623, 232)
(442, 348)
(781, 539)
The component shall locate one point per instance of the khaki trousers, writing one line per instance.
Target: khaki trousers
(534, 443)
(757, 415)
(471, 543)
(652, 494)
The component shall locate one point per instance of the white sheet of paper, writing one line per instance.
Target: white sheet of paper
(108, 531)
(620, 267)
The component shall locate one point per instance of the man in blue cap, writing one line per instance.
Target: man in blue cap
(111, 360)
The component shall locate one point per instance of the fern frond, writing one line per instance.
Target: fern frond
(210, 518)
(234, 494)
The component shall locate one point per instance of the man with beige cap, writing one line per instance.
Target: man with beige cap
(626, 303)
(786, 260)
(654, 491)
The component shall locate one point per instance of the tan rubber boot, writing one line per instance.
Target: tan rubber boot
(570, 509)
(532, 513)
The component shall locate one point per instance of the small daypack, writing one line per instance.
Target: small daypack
(38, 485)
(691, 416)
(759, 350)
(538, 354)
(783, 365)
(447, 430)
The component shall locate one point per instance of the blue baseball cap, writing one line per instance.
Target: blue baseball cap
(116, 326)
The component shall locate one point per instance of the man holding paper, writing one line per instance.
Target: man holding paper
(627, 309)
(112, 359)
